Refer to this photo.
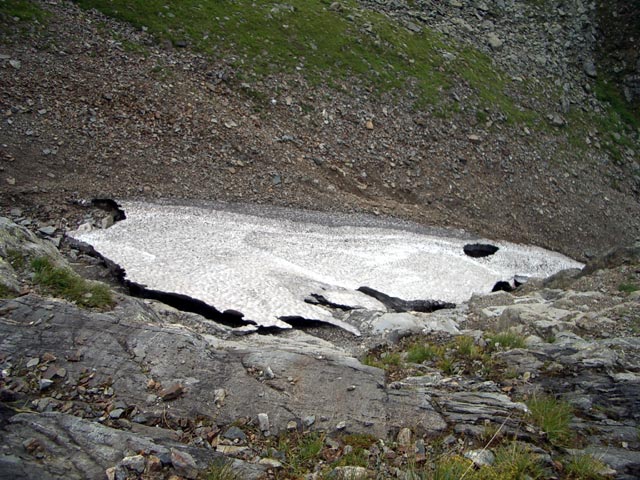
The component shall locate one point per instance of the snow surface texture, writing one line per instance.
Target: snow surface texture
(264, 263)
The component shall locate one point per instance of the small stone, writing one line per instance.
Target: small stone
(494, 41)
(219, 394)
(351, 388)
(369, 125)
(31, 444)
(110, 473)
(474, 138)
(263, 422)
(556, 120)
(184, 464)
(231, 449)
(33, 362)
(234, 433)
(350, 473)
(276, 180)
(412, 27)
(404, 437)
(11, 181)
(590, 69)
(481, 458)
(49, 357)
(15, 64)
(309, 420)
(15, 212)
(270, 462)
(48, 230)
(45, 383)
(341, 425)
(172, 392)
(230, 124)
(292, 425)
(135, 463)
(116, 413)
(154, 464)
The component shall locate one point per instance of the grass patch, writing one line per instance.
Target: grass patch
(606, 91)
(628, 287)
(69, 285)
(421, 352)
(384, 361)
(23, 10)
(553, 417)
(336, 46)
(301, 452)
(467, 349)
(220, 470)
(584, 467)
(513, 461)
(506, 341)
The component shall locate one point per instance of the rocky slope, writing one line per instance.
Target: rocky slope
(516, 146)
(141, 390)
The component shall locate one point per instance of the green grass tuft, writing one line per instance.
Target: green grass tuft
(221, 470)
(584, 467)
(506, 341)
(628, 287)
(384, 361)
(553, 416)
(421, 352)
(70, 286)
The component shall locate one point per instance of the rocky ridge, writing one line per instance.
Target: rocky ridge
(169, 392)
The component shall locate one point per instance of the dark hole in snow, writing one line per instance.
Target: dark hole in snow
(110, 206)
(502, 286)
(479, 250)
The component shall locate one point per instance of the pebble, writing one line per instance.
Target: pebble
(15, 64)
(263, 422)
(219, 394)
(404, 437)
(48, 230)
(184, 464)
(116, 413)
(44, 384)
(481, 458)
(234, 433)
(270, 462)
(172, 392)
(494, 41)
(135, 463)
(33, 362)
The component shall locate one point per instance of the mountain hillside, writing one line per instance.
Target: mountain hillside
(498, 117)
